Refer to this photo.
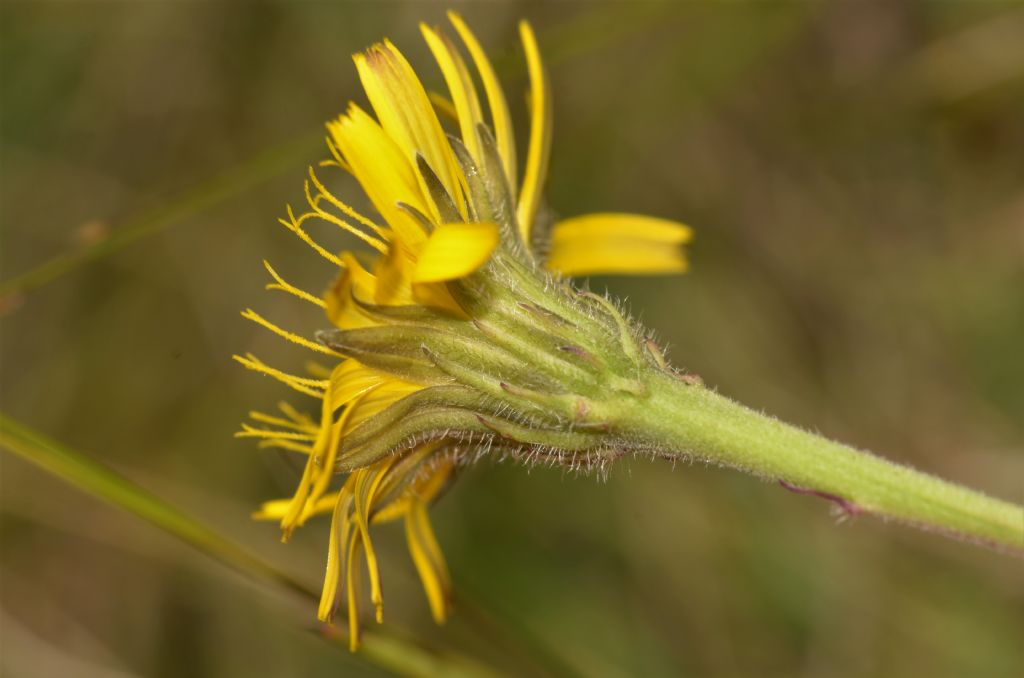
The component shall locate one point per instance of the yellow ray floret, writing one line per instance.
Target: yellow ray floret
(337, 552)
(502, 121)
(350, 384)
(379, 399)
(383, 169)
(455, 250)
(405, 112)
(426, 554)
(618, 243)
(368, 497)
(539, 149)
(444, 106)
(353, 577)
(276, 508)
(460, 84)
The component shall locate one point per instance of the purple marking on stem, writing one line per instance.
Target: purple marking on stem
(691, 379)
(846, 505)
(576, 350)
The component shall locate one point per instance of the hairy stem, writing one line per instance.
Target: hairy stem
(691, 421)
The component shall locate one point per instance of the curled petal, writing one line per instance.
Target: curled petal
(460, 84)
(455, 250)
(341, 528)
(539, 149)
(427, 557)
(495, 98)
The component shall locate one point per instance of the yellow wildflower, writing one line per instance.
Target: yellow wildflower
(423, 343)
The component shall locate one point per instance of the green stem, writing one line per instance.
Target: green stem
(692, 421)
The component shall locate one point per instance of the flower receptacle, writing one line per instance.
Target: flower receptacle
(539, 370)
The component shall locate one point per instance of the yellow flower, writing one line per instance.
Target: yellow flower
(455, 230)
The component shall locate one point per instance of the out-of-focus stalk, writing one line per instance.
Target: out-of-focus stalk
(390, 651)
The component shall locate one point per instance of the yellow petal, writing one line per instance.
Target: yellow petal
(352, 379)
(393, 511)
(390, 284)
(618, 243)
(405, 113)
(313, 483)
(394, 277)
(353, 582)
(336, 552)
(539, 150)
(348, 384)
(289, 518)
(352, 281)
(276, 508)
(460, 85)
(444, 107)
(384, 170)
(455, 250)
(502, 121)
(367, 482)
(414, 481)
(427, 557)
(436, 296)
(349, 380)
(377, 400)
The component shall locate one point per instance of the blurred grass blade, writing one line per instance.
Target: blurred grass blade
(99, 481)
(386, 649)
(406, 658)
(246, 176)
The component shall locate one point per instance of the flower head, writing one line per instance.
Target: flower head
(460, 335)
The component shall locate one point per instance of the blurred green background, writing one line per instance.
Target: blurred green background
(855, 176)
